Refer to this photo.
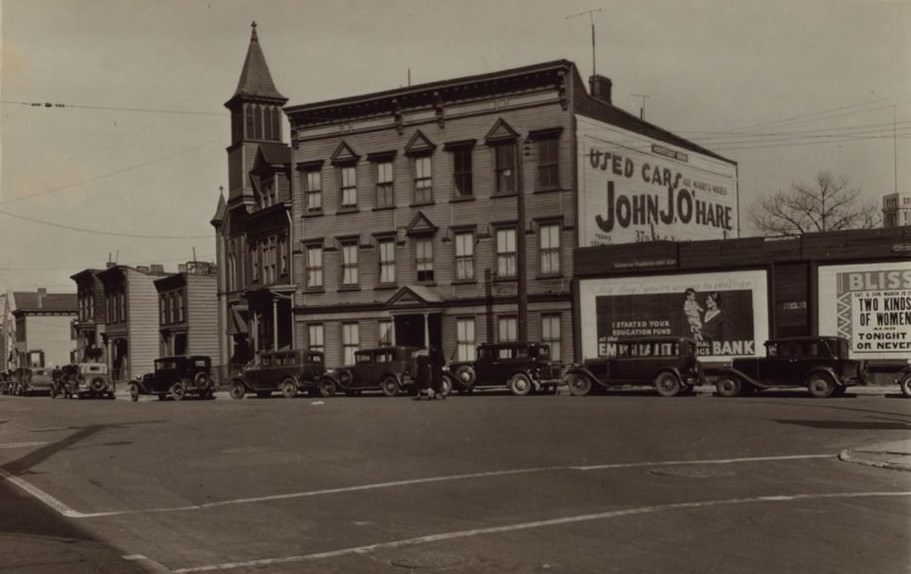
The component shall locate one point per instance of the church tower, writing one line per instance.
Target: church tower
(256, 119)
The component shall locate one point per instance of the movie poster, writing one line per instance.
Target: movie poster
(870, 305)
(726, 313)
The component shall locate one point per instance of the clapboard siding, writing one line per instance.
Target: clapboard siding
(202, 316)
(142, 322)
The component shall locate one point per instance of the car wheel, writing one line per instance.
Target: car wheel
(179, 390)
(821, 386)
(390, 386)
(579, 385)
(465, 377)
(667, 385)
(446, 385)
(134, 392)
(288, 388)
(905, 385)
(520, 385)
(327, 387)
(238, 390)
(728, 386)
(97, 385)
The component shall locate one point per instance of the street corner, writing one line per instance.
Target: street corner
(895, 455)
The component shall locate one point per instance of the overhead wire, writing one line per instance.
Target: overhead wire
(100, 232)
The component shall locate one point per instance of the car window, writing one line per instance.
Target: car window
(363, 358)
(383, 358)
(200, 363)
(504, 353)
(485, 353)
(315, 358)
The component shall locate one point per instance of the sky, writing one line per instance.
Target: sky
(133, 147)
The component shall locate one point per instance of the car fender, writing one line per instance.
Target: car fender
(731, 371)
(584, 372)
(826, 371)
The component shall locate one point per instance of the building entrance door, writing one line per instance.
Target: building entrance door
(419, 330)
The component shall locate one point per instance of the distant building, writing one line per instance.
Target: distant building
(131, 319)
(91, 318)
(7, 332)
(896, 210)
(188, 312)
(44, 335)
(445, 213)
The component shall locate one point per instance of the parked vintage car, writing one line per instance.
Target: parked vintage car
(33, 380)
(820, 364)
(178, 376)
(521, 367)
(391, 369)
(83, 380)
(287, 372)
(668, 364)
(5, 382)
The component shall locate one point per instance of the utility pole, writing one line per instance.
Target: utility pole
(591, 18)
(521, 271)
(642, 106)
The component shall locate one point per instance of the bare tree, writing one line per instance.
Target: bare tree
(829, 205)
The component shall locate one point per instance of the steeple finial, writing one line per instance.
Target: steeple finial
(253, 33)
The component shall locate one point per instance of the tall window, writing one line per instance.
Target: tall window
(349, 263)
(461, 172)
(385, 190)
(315, 337)
(506, 252)
(181, 309)
(387, 260)
(269, 263)
(163, 309)
(424, 259)
(549, 248)
(348, 188)
(506, 329)
(386, 332)
(313, 187)
(350, 341)
(464, 255)
(254, 257)
(283, 256)
(548, 163)
(314, 266)
(465, 339)
(505, 167)
(550, 334)
(423, 188)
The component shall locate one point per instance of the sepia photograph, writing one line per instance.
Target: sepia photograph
(455, 286)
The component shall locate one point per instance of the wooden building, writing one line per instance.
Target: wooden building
(444, 213)
(44, 335)
(131, 319)
(188, 312)
(91, 318)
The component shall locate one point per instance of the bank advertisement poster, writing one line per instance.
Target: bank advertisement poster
(633, 188)
(868, 304)
(725, 312)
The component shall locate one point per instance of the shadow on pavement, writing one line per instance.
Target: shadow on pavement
(847, 425)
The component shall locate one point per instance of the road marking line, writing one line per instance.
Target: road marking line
(22, 444)
(445, 536)
(70, 513)
(42, 496)
(709, 461)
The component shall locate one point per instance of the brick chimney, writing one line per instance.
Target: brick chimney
(600, 88)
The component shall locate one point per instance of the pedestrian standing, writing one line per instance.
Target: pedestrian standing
(422, 374)
(437, 360)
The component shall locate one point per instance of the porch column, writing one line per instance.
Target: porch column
(274, 324)
(426, 330)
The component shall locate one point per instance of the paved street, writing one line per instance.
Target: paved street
(483, 483)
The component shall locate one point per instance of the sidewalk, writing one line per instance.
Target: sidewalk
(895, 455)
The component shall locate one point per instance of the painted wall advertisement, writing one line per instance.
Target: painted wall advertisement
(632, 188)
(726, 312)
(870, 305)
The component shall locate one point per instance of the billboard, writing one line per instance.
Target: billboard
(633, 188)
(725, 312)
(868, 304)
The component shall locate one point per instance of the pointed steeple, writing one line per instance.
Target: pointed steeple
(255, 79)
(220, 210)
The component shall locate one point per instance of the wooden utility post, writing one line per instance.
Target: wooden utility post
(521, 271)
